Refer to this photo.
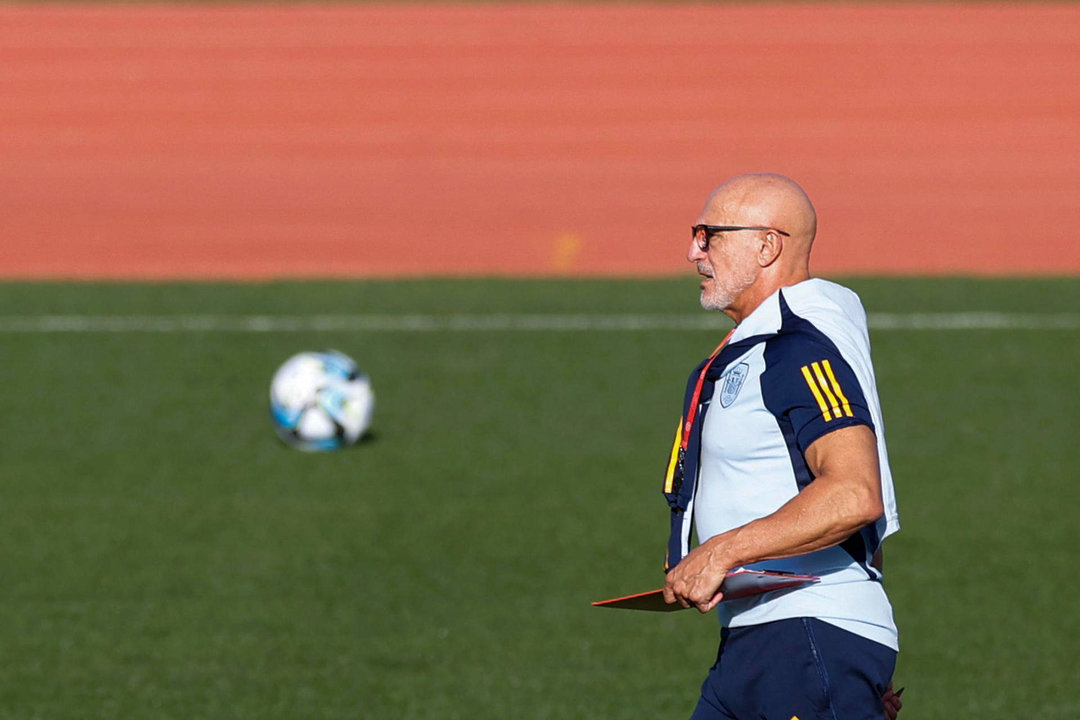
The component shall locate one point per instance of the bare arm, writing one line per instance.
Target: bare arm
(844, 497)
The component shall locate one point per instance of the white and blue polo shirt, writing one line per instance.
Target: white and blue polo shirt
(796, 368)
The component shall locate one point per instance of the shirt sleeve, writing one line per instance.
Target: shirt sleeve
(811, 389)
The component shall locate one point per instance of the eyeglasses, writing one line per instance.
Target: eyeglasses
(700, 233)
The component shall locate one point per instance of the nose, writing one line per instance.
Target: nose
(695, 254)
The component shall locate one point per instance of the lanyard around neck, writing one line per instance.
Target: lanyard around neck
(691, 412)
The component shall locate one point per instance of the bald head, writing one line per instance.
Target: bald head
(768, 200)
(747, 266)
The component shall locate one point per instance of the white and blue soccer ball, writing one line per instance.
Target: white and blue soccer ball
(321, 401)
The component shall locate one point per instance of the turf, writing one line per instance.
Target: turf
(165, 557)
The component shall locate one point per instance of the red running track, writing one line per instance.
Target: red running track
(202, 141)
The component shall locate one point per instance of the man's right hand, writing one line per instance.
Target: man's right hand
(890, 701)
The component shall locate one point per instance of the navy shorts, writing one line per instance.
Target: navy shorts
(800, 668)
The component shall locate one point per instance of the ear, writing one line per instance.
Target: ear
(772, 245)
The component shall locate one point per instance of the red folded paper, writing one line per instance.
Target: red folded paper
(737, 584)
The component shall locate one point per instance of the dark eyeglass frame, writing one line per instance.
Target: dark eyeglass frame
(706, 230)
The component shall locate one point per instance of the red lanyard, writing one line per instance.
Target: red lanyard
(691, 412)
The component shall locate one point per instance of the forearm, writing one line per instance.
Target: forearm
(844, 497)
(824, 514)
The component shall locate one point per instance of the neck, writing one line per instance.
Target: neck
(758, 293)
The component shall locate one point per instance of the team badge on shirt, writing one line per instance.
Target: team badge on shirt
(733, 383)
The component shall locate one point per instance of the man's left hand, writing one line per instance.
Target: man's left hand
(695, 581)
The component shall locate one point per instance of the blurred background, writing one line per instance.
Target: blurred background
(283, 140)
(486, 205)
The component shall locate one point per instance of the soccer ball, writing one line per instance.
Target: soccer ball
(321, 401)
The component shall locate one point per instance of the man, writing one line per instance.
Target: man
(780, 463)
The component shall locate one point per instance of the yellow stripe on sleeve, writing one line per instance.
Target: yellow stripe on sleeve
(817, 393)
(836, 388)
(833, 402)
(669, 479)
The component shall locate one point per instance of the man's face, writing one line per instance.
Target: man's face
(728, 267)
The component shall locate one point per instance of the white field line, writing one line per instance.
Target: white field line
(492, 323)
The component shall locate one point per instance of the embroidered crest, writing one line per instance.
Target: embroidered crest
(733, 383)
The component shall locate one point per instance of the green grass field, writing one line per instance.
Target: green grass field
(165, 557)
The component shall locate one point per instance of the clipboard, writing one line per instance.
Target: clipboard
(737, 584)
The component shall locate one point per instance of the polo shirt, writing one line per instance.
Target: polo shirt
(802, 370)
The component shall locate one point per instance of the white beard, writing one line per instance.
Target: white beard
(723, 291)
